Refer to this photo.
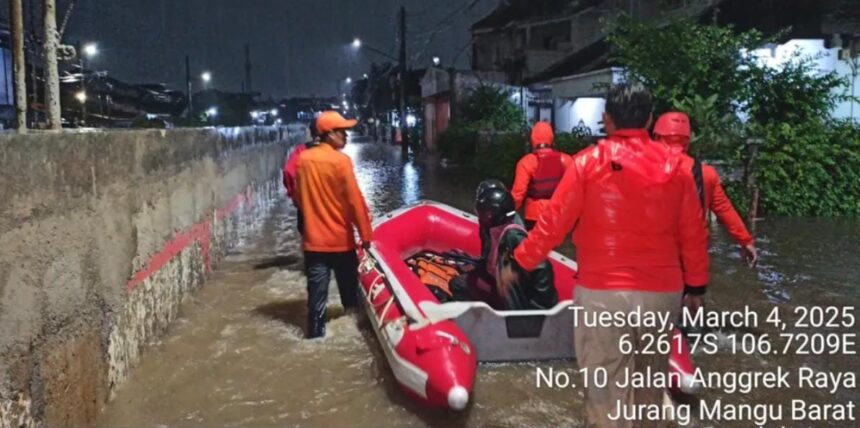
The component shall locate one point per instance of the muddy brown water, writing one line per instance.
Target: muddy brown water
(237, 357)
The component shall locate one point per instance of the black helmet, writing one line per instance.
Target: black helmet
(495, 207)
(487, 185)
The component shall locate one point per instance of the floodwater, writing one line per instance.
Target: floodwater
(236, 357)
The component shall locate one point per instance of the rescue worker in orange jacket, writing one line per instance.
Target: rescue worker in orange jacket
(333, 207)
(636, 223)
(538, 174)
(673, 128)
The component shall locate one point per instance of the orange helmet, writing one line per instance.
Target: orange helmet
(542, 135)
(673, 124)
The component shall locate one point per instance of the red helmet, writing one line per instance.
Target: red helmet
(673, 124)
(542, 135)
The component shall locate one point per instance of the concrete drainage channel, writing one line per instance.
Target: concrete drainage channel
(101, 237)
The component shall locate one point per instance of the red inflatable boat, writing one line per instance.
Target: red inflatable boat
(433, 348)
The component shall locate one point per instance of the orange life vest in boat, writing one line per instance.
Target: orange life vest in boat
(434, 271)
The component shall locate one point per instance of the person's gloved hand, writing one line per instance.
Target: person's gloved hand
(750, 255)
(509, 274)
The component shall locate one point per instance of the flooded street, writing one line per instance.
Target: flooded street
(237, 357)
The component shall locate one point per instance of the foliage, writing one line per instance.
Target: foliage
(488, 108)
(793, 93)
(498, 155)
(684, 59)
(716, 134)
(811, 168)
(458, 142)
(485, 109)
(572, 143)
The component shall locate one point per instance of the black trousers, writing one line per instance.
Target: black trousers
(318, 267)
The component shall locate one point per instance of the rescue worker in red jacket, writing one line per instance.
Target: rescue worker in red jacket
(636, 222)
(673, 128)
(538, 174)
(291, 172)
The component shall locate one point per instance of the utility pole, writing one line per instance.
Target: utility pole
(188, 87)
(52, 74)
(16, 16)
(404, 129)
(248, 86)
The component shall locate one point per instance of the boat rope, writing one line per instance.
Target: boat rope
(381, 319)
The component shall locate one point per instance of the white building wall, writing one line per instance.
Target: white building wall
(589, 112)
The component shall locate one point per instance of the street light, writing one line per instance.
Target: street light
(212, 112)
(87, 51)
(348, 80)
(274, 112)
(356, 43)
(91, 50)
(436, 61)
(206, 77)
(365, 75)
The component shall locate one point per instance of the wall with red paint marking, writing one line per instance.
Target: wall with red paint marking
(102, 234)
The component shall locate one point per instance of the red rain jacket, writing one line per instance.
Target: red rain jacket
(717, 202)
(637, 218)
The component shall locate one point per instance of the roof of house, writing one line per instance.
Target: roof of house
(803, 17)
(524, 10)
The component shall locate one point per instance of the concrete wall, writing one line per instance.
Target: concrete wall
(101, 236)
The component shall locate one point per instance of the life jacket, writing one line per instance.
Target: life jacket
(435, 271)
(549, 172)
(496, 234)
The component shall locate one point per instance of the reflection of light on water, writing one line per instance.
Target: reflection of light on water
(410, 192)
(367, 180)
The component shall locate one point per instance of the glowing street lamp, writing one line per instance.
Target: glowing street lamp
(91, 50)
(348, 80)
(436, 61)
(81, 96)
(356, 43)
(274, 112)
(206, 77)
(212, 112)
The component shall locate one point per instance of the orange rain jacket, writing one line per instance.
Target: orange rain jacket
(526, 169)
(331, 201)
(636, 214)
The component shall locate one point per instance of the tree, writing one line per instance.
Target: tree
(684, 59)
(488, 108)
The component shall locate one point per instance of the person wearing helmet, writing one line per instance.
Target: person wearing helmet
(538, 173)
(532, 290)
(673, 128)
(484, 186)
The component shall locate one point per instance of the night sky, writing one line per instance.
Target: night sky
(298, 47)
